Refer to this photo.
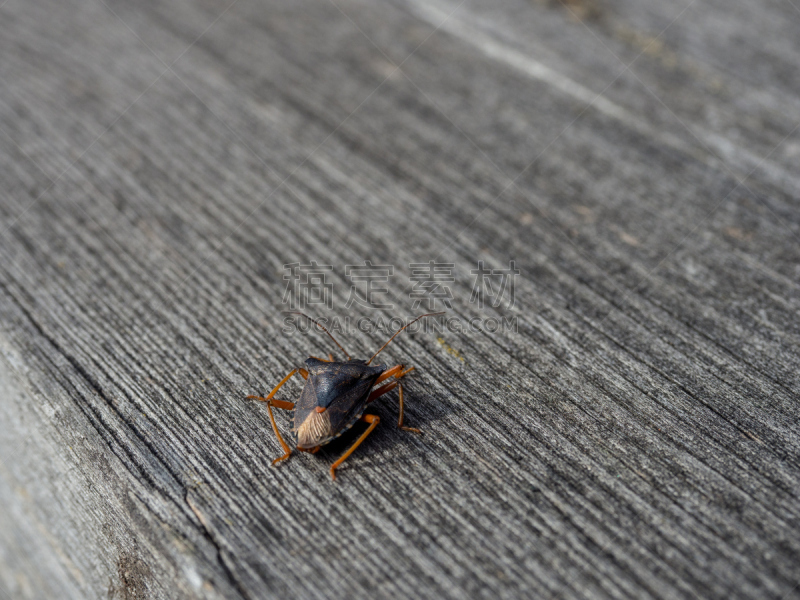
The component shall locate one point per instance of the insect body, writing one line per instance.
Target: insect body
(335, 397)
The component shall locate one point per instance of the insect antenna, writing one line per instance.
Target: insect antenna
(318, 324)
(401, 329)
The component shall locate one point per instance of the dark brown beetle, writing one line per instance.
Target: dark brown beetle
(334, 398)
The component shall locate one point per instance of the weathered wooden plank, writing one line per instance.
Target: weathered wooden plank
(637, 437)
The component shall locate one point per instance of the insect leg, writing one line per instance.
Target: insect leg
(396, 371)
(384, 389)
(400, 419)
(389, 373)
(287, 452)
(282, 404)
(404, 373)
(270, 403)
(373, 421)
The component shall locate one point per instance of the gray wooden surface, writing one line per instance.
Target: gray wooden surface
(636, 438)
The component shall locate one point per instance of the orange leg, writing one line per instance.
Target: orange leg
(388, 388)
(373, 421)
(396, 371)
(400, 420)
(384, 389)
(389, 373)
(283, 404)
(404, 373)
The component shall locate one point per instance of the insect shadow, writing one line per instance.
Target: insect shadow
(335, 397)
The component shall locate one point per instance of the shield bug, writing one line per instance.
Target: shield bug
(335, 398)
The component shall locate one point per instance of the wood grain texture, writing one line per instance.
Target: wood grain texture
(636, 438)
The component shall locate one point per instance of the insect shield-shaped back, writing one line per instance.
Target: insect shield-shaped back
(333, 399)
